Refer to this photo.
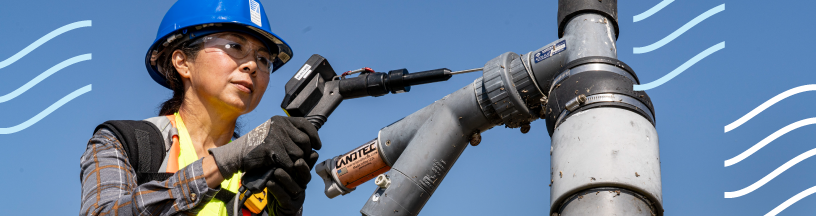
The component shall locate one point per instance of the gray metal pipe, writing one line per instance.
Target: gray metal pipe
(422, 147)
(430, 141)
(605, 157)
(590, 34)
(605, 149)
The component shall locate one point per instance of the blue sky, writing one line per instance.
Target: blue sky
(769, 49)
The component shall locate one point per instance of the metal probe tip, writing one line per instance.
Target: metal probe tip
(466, 71)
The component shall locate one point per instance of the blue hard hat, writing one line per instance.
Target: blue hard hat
(189, 19)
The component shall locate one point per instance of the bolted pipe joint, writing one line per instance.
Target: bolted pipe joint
(507, 93)
(593, 82)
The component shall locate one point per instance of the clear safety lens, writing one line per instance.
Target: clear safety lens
(238, 47)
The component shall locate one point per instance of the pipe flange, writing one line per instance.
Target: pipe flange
(526, 87)
(604, 100)
(604, 60)
(594, 63)
(484, 101)
(564, 96)
(503, 91)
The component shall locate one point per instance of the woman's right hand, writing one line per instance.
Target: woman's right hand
(277, 143)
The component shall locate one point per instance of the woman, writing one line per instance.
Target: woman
(216, 56)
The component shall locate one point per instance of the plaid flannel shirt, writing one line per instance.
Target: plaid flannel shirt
(109, 184)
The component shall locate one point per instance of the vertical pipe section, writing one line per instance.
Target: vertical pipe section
(605, 147)
(432, 139)
(590, 34)
(605, 159)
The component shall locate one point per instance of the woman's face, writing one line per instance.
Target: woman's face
(229, 74)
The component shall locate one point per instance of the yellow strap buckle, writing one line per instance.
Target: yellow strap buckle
(257, 202)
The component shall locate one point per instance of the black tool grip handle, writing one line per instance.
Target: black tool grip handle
(331, 99)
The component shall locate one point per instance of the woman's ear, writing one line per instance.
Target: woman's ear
(181, 63)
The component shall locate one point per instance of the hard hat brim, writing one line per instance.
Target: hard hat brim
(192, 32)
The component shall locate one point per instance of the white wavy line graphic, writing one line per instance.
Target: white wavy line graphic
(652, 11)
(769, 103)
(771, 175)
(43, 39)
(791, 201)
(46, 74)
(46, 112)
(680, 31)
(685, 66)
(769, 139)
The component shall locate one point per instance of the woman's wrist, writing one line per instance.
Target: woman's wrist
(211, 173)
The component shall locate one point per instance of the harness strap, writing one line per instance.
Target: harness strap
(152, 146)
(225, 195)
(143, 144)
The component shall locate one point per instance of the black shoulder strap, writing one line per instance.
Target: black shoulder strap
(144, 145)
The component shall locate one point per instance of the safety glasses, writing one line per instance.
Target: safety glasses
(238, 47)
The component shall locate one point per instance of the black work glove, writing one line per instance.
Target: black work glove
(275, 143)
(289, 190)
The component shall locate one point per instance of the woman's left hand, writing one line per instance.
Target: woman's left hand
(289, 192)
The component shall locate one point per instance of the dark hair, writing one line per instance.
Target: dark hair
(164, 64)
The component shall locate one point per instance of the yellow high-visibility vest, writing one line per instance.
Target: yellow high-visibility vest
(183, 146)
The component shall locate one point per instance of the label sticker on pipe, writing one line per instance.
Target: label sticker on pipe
(360, 165)
(550, 51)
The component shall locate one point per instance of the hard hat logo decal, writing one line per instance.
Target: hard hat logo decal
(255, 12)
